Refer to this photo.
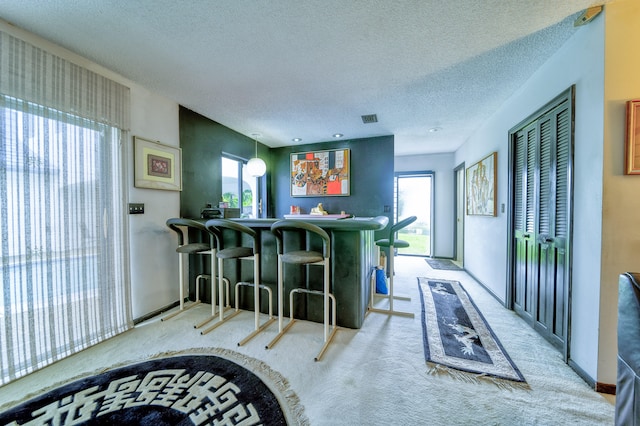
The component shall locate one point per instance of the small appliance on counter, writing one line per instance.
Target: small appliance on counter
(219, 212)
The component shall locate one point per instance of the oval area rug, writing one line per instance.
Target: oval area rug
(193, 389)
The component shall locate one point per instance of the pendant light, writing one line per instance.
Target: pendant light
(256, 166)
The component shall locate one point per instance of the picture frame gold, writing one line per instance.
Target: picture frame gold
(320, 173)
(632, 149)
(480, 183)
(156, 165)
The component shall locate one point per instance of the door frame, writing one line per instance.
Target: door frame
(458, 208)
(422, 173)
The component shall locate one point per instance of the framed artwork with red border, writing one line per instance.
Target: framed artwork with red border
(320, 173)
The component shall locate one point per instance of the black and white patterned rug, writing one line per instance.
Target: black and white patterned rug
(457, 338)
(194, 389)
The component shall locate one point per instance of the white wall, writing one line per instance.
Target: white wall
(442, 165)
(581, 62)
(153, 260)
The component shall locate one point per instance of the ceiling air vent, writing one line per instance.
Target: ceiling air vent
(371, 118)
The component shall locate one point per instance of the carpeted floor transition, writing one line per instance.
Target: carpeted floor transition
(443, 264)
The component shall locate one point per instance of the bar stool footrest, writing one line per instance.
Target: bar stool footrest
(326, 344)
(254, 333)
(219, 323)
(179, 311)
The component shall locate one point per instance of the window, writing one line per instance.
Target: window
(64, 275)
(239, 189)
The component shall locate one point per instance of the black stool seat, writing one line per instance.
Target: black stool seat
(385, 242)
(235, 253)
(302, 257)
(193, 248)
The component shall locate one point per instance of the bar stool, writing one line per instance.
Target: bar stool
(392, 243)
(181, 226)
(304, 257)
(216, 227)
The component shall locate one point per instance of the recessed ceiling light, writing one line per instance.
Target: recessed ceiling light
(296, 140)
(435, 129)
(338, 135)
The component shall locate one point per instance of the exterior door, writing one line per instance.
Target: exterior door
(413, 198)
(542, 153)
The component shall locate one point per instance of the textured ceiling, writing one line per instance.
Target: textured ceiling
(309, 69)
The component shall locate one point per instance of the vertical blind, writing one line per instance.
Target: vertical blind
(64, 267)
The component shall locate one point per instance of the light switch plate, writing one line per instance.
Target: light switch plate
(136, 208)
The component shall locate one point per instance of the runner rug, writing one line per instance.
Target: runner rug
(443, 264)
(458, 340)
(196, 389)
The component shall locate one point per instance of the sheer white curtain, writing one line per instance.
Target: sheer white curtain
(64, 254)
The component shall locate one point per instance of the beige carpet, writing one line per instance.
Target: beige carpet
(372, 376)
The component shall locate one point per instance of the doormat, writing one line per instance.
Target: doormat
(457, 339)
(443, 264)
(177, 390)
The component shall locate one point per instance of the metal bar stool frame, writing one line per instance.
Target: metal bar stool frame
(181, 226)
(216, 226)
(304, 257)
(392, 243)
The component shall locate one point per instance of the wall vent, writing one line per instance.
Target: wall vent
(371, 118)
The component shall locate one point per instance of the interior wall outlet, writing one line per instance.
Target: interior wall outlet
(136, 208)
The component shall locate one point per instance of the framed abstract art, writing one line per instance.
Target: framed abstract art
(481, 186)
(157, 166)
(320, 173)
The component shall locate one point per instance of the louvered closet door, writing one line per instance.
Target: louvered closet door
(541, 222)
(525, 267)
(553, 224)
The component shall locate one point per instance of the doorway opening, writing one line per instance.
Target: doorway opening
(458, 256)
(414, 197)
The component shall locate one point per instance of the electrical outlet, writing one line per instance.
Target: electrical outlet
(136, 208)
(387, 209)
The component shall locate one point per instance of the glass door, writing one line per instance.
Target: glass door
(413, 197)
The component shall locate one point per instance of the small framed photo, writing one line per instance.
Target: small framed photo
(632, 151)
(157, 166)
(481, 187)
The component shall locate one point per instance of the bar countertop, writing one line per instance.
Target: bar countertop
(349, 224)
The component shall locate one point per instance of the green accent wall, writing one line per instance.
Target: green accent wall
(203, 141)
(371, 179)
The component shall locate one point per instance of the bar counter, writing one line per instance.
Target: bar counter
(353, 257)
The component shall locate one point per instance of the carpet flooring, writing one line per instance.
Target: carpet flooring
(373, 376)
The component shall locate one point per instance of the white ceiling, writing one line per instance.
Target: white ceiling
(309, 69)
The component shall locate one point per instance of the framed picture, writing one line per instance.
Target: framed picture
(320, 173)
(632, 151)
(156, 165)
(481, 186)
